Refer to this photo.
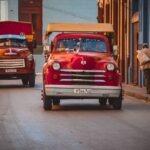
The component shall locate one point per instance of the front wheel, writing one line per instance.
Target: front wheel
(56, 101)
(25, 80)
(31, 80)
(103, 101)
(117, 104)
(47, 102)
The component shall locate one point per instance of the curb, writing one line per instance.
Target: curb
(144, 97)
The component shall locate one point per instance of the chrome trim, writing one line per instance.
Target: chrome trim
(82, 80)
(10, 54)
(82, 71)
(77, 75)
(91, 91)
(83, 86)
(12, 63)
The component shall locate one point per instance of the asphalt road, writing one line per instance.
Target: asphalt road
(75, 125)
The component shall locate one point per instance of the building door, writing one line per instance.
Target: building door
(31, 11)
(135, 48)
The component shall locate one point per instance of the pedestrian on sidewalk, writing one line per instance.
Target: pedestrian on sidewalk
(144, 59)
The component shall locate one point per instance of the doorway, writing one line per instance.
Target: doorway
(31, 11)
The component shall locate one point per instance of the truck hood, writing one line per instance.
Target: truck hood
(13, 52)
(82, 60)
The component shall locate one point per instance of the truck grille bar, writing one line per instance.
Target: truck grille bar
(72, 70)
(82, 80)
(12, 63)
(79, 77)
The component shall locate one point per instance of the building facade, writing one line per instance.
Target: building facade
(23, 10)
(31, 11)
(117, 12)
(131, 23)
(41, 12)
(9, 10)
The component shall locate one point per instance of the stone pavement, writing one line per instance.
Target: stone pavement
(136, 91)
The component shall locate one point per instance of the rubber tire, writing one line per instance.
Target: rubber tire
(47, 102)
(110, 101)
(56, 101)
(31, 80)
(103, 101)
(25, 80)
(117, 103)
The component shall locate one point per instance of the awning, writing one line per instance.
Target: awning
(79, 27)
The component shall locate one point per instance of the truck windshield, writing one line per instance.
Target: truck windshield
(82, 44)
(90, 44)
(13, 42)
(67, 44)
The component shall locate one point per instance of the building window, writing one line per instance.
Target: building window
(3, 10)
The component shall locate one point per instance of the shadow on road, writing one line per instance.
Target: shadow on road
(80, 106)
(11, 86)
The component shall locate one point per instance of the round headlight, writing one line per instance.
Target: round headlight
(56, 66)
(30, 57)
(110, 67)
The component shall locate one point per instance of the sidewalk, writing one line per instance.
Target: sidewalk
(137, 92)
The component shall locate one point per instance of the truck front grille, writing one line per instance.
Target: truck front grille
(12, 63)
(86, 77)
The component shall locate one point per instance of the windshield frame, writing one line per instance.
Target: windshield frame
(80, 41)
(13, 42)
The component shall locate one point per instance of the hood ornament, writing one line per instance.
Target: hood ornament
(83, 62)
(10, 53)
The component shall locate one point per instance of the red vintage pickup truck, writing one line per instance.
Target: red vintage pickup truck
(16, 52)
(80, 64)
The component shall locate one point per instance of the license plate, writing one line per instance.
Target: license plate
(82, 91)
(10, 70)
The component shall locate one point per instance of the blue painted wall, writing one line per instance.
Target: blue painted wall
(144, 21)
(144, 29)
(148, 22)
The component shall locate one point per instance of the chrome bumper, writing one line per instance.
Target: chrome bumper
(82, 91)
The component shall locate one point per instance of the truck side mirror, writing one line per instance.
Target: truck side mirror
(115, 51)
(46, 51)
(51, 46)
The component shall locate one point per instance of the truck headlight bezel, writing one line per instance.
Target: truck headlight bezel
(110, 67)
(56, 66)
